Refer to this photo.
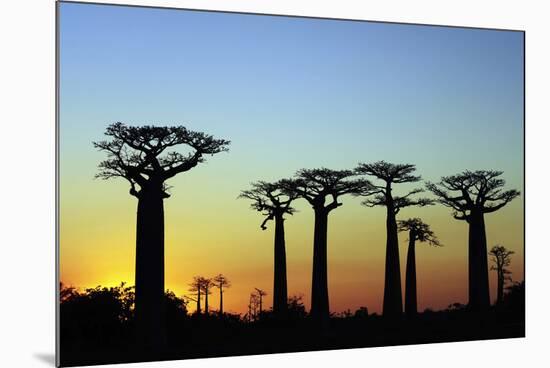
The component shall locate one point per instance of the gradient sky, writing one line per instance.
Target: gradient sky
(289, 93)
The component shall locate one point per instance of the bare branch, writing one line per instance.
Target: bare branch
(503, 199)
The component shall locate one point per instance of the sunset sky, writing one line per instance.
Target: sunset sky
(289, 93)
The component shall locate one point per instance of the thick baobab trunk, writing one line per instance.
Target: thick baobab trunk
(280, 295)
(319, 289)
(149, 292)
(478, 271)
(393, 300)
(410, 280)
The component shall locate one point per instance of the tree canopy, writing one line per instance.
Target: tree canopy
(469, 191)
(419, 230)
(501, 257)
(388, 173)
(270, 199)
(315, 185)
(140, 154)
(221, 281)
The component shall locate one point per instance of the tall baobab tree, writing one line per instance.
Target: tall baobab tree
(471, 195)
(222, 283)
(501, 258)
(382, 195)
(418, 231)
(274, 203)
(316, 185)
(206, 286)
(140, 155)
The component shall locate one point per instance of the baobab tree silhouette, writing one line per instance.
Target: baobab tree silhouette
(222, 283)
(139, 155)
(196, 287)
(261, 293)
(206, 285)
(273, 202)
(501, 257)
(418, 231)
(382, 195)
(315, 185)
(471, 195)
(253, 306)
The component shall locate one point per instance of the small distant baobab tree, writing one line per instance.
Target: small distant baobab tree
(206, 286)
(501, 258)
(316, 185)
(418, 231)
(222, 283)
(382, 195)
(196, 287)
(261, 293)
(140, 155)
(274, 203)
(253, 306)
(471, 195)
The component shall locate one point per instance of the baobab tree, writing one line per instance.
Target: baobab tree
(253, 306)
(206, 286)
(197, 287)
(140, 155)
(316, 185)
(382, 195)
(222, 283)
(471, 195)
(501, 257)
(274, 203)
(418, 231)
(261, 293)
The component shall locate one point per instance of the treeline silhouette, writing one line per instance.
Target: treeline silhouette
(154, 324)
(98, 326)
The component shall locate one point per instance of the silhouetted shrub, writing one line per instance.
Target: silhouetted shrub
(362, 312)
(456, 307)
(296, 308)
(96, 315)
(104, 316)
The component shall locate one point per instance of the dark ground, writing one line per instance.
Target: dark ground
(93, 331)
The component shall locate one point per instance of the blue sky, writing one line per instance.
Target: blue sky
(316, 85)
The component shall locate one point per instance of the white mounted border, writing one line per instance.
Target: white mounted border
(27, 209)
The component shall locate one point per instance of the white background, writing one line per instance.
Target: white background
(27, 206)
